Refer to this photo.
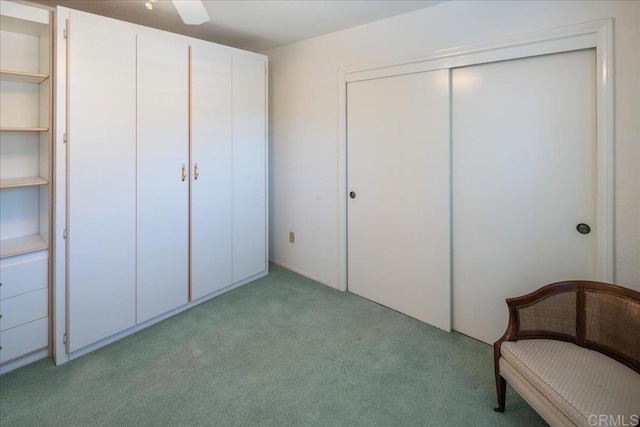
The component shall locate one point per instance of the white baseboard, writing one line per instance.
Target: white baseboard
(303, 273)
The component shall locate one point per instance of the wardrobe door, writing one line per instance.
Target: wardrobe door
(211, 150)
(162, 174)
(249, 168)
(101, 178)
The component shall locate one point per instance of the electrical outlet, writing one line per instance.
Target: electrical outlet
(292, 237)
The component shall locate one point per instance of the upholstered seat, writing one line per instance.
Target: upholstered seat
(581, 384)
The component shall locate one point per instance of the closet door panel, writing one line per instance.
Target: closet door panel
(162, 183)
(249, 168)
(211, 153)
(399, 169)
(101, 179)
(524, 156)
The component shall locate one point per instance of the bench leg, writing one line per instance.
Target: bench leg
(501, 388)
(501, 383)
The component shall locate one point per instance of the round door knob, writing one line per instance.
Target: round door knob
(583, 228)
(352, 194)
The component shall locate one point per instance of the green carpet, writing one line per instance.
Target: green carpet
(283, 350)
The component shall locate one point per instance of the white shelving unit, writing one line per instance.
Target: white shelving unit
(25, 175)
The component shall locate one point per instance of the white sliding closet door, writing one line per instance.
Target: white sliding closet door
(524, 156)
(163, 174)
(101, 178)
(398, 170)
(211, 150)
(249, 168)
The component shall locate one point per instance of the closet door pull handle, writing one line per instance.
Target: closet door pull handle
(184, 172)
(195, 171)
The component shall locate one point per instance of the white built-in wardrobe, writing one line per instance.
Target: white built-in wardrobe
(161, 176)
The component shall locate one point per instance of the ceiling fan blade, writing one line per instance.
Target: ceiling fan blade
(192, 12)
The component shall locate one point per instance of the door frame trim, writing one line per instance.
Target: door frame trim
(597, 34)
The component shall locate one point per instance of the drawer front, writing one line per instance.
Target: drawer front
(24, 339)
(23, 277)
(23, 309)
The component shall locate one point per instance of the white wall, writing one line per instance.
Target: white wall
(304, 115)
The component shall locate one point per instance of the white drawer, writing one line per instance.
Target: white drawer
(23, 277)
(23, 309)
(24, 339)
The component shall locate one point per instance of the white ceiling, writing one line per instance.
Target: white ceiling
(257, 25)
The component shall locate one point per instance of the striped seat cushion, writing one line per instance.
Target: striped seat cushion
(582, 383)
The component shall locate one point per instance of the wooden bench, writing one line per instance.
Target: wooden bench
(572, 351)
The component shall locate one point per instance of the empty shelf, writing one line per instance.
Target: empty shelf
(23, 129)
(22, 245)
(22, 77)
(29, 181)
